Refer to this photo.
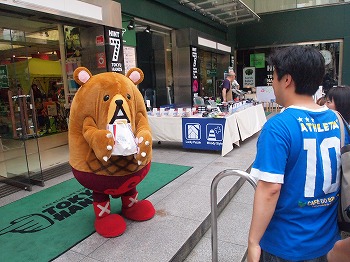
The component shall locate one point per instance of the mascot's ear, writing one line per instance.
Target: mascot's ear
(82, 75)
(135, 75)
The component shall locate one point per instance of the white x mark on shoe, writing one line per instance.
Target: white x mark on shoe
(133, 200)
(104, 209)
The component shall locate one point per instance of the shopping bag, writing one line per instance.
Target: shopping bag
(344, 203)
(124, 139)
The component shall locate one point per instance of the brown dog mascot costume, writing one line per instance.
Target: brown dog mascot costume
(102, 101)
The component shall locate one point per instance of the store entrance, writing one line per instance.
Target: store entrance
(212, 69)
(22, 95)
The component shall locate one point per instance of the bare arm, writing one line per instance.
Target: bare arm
(265, 200)
(340, 252)
(224, 95)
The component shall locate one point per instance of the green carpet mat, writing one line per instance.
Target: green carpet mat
(44, 225)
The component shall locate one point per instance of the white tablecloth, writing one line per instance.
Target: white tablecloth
(250, 120)
(231, 134)
(166, 128)
(239, 126)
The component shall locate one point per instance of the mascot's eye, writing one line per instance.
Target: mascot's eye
(128, 96)
(106, 98)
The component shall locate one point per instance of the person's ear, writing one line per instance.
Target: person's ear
(287, 79)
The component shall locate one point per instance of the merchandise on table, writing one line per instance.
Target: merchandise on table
(210, 109)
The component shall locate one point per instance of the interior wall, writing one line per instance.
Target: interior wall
(305, 25)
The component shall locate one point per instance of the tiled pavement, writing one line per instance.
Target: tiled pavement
(182, 213)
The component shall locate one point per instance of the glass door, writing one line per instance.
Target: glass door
(20, 164)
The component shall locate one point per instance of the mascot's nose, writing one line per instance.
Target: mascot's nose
(119, 112)
(119, 102)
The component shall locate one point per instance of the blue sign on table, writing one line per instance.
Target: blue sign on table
(203, 133)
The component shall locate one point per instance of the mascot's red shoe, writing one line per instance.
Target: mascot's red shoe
(137, 210)
(107, 224)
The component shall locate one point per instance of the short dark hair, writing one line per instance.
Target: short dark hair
(340, 95)
(327, 83)
(305, 64)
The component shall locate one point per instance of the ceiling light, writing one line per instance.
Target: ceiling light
(131, 25)
(148, 29)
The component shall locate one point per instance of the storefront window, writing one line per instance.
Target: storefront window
(154, 58)
(31, 60)
(256, 59)
(208, 73)
(212, 70)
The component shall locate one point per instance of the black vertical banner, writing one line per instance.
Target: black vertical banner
(232, 61)
(195, 84)
(114, 49)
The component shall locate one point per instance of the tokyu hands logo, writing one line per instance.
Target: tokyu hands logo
(28, 224)
(58, 210)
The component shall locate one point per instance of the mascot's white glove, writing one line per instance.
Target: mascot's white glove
(143, 146)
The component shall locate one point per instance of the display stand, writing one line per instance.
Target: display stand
(203, 133)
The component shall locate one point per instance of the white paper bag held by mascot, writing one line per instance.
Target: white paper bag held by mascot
(110, 145)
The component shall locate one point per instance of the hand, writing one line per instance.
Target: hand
(254, 253)
(144, 147)
(102, 144)
(340, 252)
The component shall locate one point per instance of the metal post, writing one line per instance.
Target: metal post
(63, 64)
(214, 209)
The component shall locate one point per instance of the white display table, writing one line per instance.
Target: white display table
(237, 127)
(250, 120)
(166, 128)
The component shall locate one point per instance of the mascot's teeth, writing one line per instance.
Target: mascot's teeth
(147, 143)
(143, 154)
(109, 147)
(105, 158)
(139, 162)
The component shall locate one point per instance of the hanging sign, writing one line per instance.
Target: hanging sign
(257, 60)
(248, 77)
(114, 49)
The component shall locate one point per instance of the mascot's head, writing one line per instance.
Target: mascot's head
(107, 97)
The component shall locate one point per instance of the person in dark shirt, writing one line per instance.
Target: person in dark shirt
(227, 87)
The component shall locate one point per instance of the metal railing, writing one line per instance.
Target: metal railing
(214, 208)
